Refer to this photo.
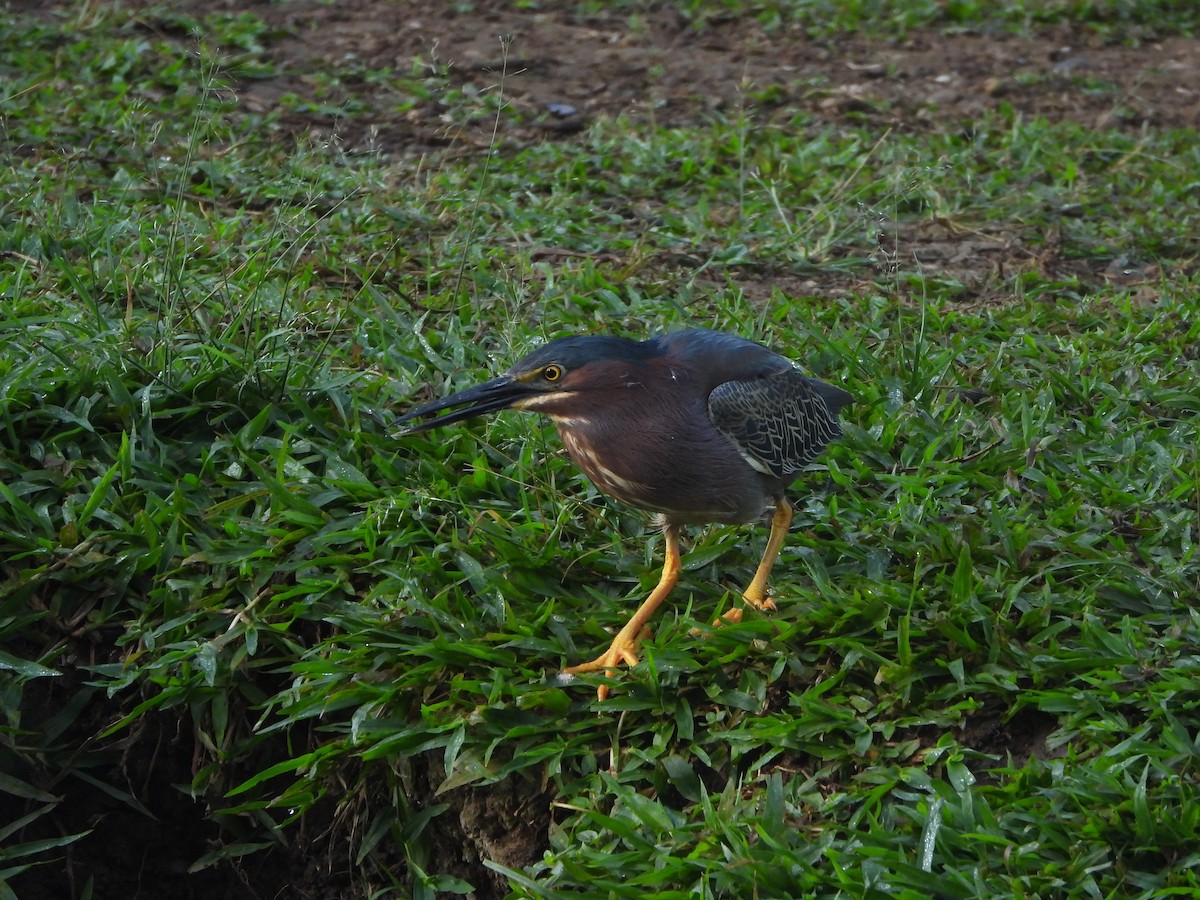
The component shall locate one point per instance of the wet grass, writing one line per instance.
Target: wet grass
(221, 571)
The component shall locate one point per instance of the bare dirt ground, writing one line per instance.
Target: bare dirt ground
(563, 71)
(661, 68)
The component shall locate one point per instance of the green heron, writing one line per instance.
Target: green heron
(695, 426)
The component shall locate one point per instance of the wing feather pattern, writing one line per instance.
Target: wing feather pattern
(779, 422)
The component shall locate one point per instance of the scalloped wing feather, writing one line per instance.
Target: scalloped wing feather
(779, 423)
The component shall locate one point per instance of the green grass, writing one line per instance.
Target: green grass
(219, 564)
(1115, 20)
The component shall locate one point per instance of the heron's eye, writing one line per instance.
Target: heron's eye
(552, 372)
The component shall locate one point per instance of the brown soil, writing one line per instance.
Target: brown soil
(563, 71)
(560, 71)
(663, 69)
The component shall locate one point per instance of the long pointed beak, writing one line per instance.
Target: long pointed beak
(499, 393)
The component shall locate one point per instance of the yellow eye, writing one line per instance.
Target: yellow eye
(552, 372)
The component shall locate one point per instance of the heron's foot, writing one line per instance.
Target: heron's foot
(733, 616)
(759, 599)
(622, 651)
(729, 617)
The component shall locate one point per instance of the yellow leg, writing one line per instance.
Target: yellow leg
(756, 593)
(624, 648)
